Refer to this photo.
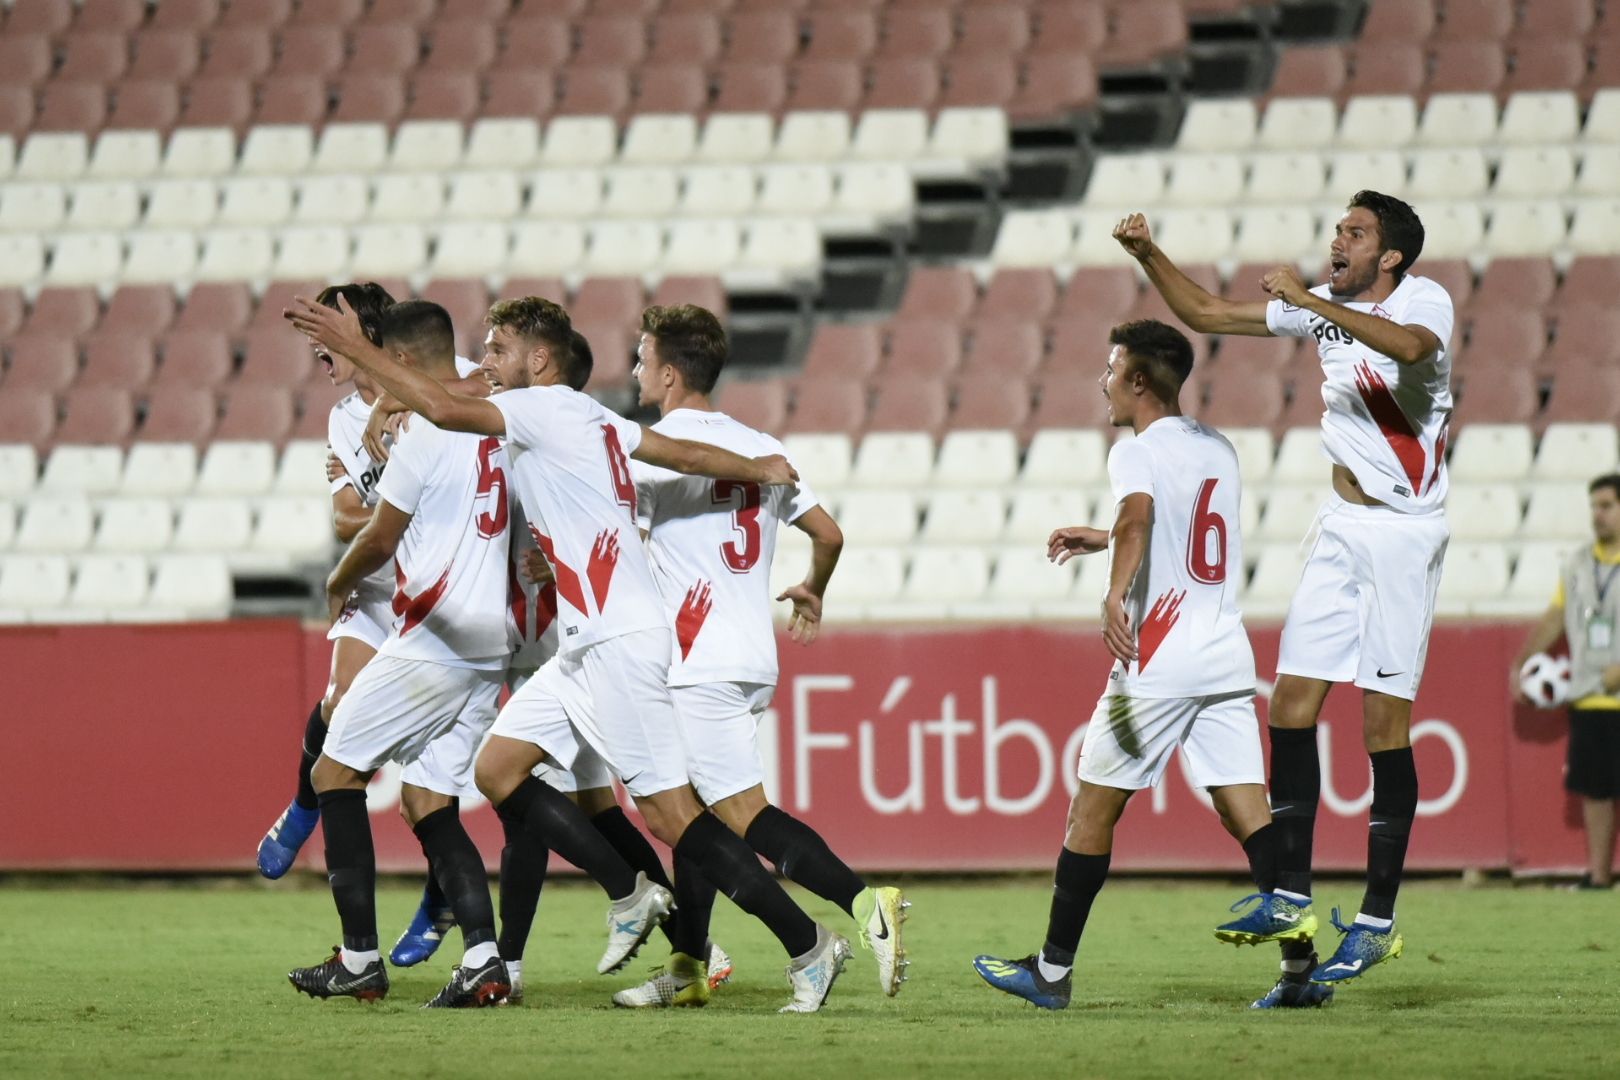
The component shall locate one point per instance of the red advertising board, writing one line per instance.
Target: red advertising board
(173, 748)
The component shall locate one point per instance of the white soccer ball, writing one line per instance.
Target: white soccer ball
(1545, 680)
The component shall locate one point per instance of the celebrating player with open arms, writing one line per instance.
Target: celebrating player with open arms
(1183, 674)
(1365, 602)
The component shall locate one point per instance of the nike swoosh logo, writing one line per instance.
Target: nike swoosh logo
(1382, 674)
(884, 936)
(1285, 806)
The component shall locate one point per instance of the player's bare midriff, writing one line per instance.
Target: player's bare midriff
(1346, 487)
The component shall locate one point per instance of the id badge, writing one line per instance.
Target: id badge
(1600, 633)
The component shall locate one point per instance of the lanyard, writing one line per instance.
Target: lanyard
(1600, 580)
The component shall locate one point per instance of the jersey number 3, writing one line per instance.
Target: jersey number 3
(745, 519)
(491, 479)
(1206, 543)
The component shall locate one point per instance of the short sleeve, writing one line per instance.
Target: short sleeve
(406, 475)
(334, 439)
(465, 367)
(1430, 307)
(646, 480)
(1130, 469)
(526, 413)
(629, 432)
(799, 500)
(1286, 320)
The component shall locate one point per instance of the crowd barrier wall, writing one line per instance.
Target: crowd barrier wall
(172, 748)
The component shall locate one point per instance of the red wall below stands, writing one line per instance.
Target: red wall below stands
(173, 747)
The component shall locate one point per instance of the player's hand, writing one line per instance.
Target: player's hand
(1065, 544)
(1134, 236)
(805, 622)
(535, 568)
(335, 603)
(1285, 285)
(334, 468)
(372, 440)
(337, 331)
(777, 471)
(1117, 630)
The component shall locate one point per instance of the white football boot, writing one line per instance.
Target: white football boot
(630, 921)
(719, 966)
(814, 973)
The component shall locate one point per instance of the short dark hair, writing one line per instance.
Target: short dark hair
(368, 301)
(1159, 351)
(691, 340)
(423, 329)
(1398, 227)
(580, 360)
(1611, 481)
(538, 320)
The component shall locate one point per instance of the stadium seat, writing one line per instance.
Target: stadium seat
(737, 138)
(256, 201)
(815, 135)
(1007, 346)
(1531, 172)
(1204, 180)
(1218, 125)
(1128, 180)
(1595, 229)
(1031, 238)
(19, 470)
(1473, 572)
(977, 459)
(179, 413)
(426, 146)
(31, 582)
(467, 249)
(1277, 571)
(1067, 400)
(1025, 574)
(181, 204)
(578, 141)
(41, 361)
(890, 134)
(1539, 118)
(877, 517)
(1454, 229)
(1378, 122)
(165, 256)
(899, 459)
(1571, 452)
(311, 252)
(1295, 124)
(397, 250)
(82, 470)
(1256, 399)
(939, 577)
(190, 587)
(216, 525)
(155, 469)
(407, 198)
(1350, 171)
(1036, 512)
(965, 140)
(701, 247)
(1299, 457)
(237, 468)
(1487, 453)
(969, 516)
(120, 360)
(1482, 511)
(126, 155)
(1525, 227)
(566, 193)
(144, 524)
(27, 416)
(823, 460)
(302, 469)
(1583, 394)
(59, 523)
(1535, 578)
(1275, 234)
(777, 253)
(545, 249)
(641, 192)
(22, 260)
(1557, 511)
(1065, 458)
(32, 206)
(659, 139)
(97, 415)
(255, 412)
(1448, 173)
(866, 575)
(759, 403)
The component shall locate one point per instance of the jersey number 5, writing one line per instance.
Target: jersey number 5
(491, 479)
(1206, 544)
(745, 519)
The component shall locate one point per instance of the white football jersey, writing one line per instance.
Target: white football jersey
(1182, 603)
(451, 566)
(1386, 421)
(711, 543)
(344, 428)
(531, 610)
(571, 466)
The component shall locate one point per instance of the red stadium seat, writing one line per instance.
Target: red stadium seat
(12, 310)
(535, 43)
(1556, 18)
(939, 292)
(826, 405)
(1454, 275)
(844, 351)
(1108, 290)
(1386, 68)
(902, 83)
(291, 99)
(467, 301)
(25, 59)
(764, 37)
(121, 361)
(1476, 20)
(370, 98)
(310, 50)
(990, 400)
(1583, 395)
(446, 95)
(1498, 337)
(179, 413)
(1591, 280)
(1546, 64)
(39, 361)
(1242, 399)
(1305, 406)
(16, 110)
(907, 402)
(615, 300)
(185, 15)
(200, 358)
(27, 416)
(110, 16)
(145, 310)
(267, 14)
(221, 102)
(611, 346)
(94, 57)
(1502, 394)
(519, 93)
(1310, 71)
(553, 289)
(919, 33)
(224, 306)
(39, 17)
(1068, 400)
(97, 416)
(144, 103)
(1247, 283)
(979, 80)
(1142, 32)
(1053, 85)
(414, 12)
(999, 28)
(750, 87)
(825, 85)
(610, 41)
(238, 53)
(277, 357)
(694, 38)
(1527, 283)
(386, 49)
(315, 410)
(257, 412)
(595, 91)
(1006, 345)
(277, 298)
(1584, 336)
(1466, 67)
(1079, 343)
(1398, 22)
(1242, 354)
(329, 13)
(1605, 66)
(67, 310)
(168, 55)
(759, 403)
(705, 292)
(1020, 293)
(72, 107)
(1069, 27)
(465, 45)
(671, 87)
(923, 347)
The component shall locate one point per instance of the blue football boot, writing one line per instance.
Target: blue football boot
(280, 846)
(1363, 948)
(1022, 978)
(425, 934)
(1274, 918)
(1295, 991)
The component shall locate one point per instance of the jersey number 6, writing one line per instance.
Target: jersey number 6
(745, 519)
(1206, 543)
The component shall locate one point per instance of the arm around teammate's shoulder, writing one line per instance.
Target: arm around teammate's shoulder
(701, 459)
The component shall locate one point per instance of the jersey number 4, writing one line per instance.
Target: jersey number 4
(745, 519)
(1206, 543)
(624, 488)
(491, 483)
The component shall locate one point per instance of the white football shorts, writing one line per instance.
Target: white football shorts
(720, 728)
(429, 717)
(367, 617)
(1129, 741)
(1365, 601)
(612, 698)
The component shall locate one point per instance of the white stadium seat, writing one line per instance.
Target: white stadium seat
(963, 517)
(134, 525)
(311, 252)
(1276, 575)
(659, 139)
(53, 155)
(1456, 172)
(881, 192)
(104, 204)
(1219, 124)
(1204, 180)
(579, 140)
(482, 196)
(8, 524)
(1453, 230)
(737, 138)
(1301, 123)
(182, 203)
(351, 148)
(977, 459)
(805, 188)
(32, 581)
(1198, 236)
(19, 469)
(236, 255)
(8, 155)
(1603, 117)
(503, 143)
(1473, 572)
(877, 517)
(965, 140)
(82, 470)
(255, 200)
(415, 197)
(1536, 574)
(106, 583)
(237, 468)
(160, 257)
(126, 155)
(1378, 122)
(203, 153)
(565, 193)
(22, 259)
(215, 525)
(1534, 172)
(1033, 238)
(277, 150)
(1482, 511)
(624, 247)
(1540, 117)
(332, 200)
(719, 190)
(544, 248)
(1483, 453)
(1126, 181)
(1576, 452)
(1525, 227)
(1290, 511)
(32, 207)
(903, 459)
(646, 192)
(302, 469)
(470, 249)
(939, 577)
(1275, 234)
(1458, 120)
(1350, 171)
(702, 246)
(85, 259)
(890, 135)
(55, 523)
(1558, 512)
(1025, 573)
(1255, 451)
(777, 252)
(1036, 512)
(1286, 177)
(162, 469)
(296, 527)
(819, 135)
(190, 587)
(427, 146)
(388, 251)
(823, 460)
(1600, 172)
(865, 574)
(1061, 457)
(789, 567)
(1090, 586)
(1595, 229)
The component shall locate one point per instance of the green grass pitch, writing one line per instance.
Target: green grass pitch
(188, 982)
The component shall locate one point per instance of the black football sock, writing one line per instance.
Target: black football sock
(351, 865)
(725, 859)
(1394, 805)
(1079, 879)
(1296, 788)
(314, 741)
(554, 820)
(459, 869)
(1261, 848)
(694, 899)
(638, 851)
(802, 856)
(523, 875)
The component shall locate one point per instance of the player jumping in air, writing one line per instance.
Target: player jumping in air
(1365, 602)
(711, 543)
(1183, 674)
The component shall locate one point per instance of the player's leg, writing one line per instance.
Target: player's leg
(281, 845)
(601, 805)
(1598, 817)
(1592, 773)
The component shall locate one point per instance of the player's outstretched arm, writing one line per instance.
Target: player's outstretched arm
(1406, 343)
(1065, 544)
(826, 544)
(1192, 303)
(1543, 637)
(1130, 537)
(371, 549)
(338, 331)
(701, 459)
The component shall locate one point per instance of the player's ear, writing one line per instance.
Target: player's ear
(1389, 260)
